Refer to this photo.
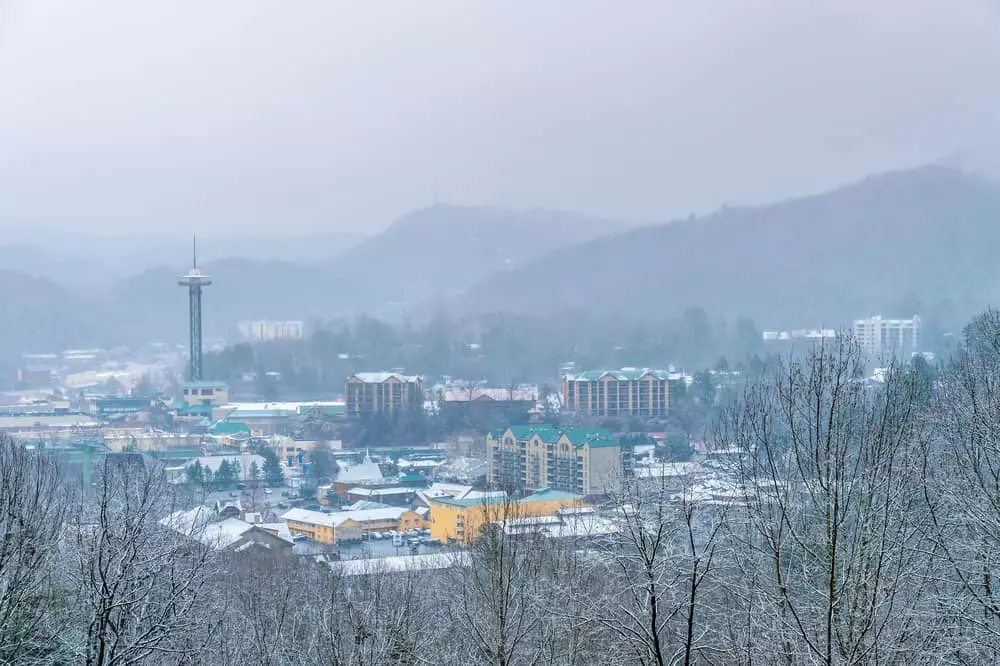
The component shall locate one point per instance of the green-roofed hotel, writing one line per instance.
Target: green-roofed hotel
(627, 392)
(573, 460)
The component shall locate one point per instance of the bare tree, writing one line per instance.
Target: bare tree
(140, 581)
(659, 561)
(32, 507)
(962, 483)
(497, 611)
(831, 555)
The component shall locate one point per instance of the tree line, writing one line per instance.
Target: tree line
(849, 522)
(503, 349)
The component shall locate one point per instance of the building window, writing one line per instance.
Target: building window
(207, 391)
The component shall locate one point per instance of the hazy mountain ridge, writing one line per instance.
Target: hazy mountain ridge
(897, 243)
(82, 260)
(887, 244)
(445, 249)
(39, 316)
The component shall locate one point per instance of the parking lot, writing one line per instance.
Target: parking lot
(384, 548)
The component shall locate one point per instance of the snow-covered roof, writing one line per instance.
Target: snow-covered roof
(401, 563)
(446, 490)
(361, 505)
(337, 518)
(363, 472)
(490, 394)
(224, 533)
(666, 470)
(197, 524)
(291, 407)
(418, 464)
(188, 522)
(278, 529)
(379, 377)
(379, 492)
(563, 525)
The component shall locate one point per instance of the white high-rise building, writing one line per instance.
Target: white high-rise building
(888, 337)
(265, 330)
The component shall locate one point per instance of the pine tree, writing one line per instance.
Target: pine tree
(273, 473)
(196, 474)
(225, 477)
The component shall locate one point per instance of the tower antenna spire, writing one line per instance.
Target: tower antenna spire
(194, 250)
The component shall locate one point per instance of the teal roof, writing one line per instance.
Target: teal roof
(546, 494)
(625, 374)
(230, 428)
(547, 432)
(595, 437)
(412, 478)
(579, 436)
(194, 410)
(206, 384)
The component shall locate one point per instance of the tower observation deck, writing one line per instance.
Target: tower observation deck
(194, 280)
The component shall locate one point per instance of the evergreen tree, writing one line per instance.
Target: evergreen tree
(225, 477)
(274, 475)
(322, 464)
(196, 474)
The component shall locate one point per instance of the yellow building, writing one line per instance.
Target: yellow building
(625, 392)
(585, 461)
(462, 519)
(346, 526)
(381, 393)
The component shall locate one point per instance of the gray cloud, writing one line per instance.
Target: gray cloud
(237, 114)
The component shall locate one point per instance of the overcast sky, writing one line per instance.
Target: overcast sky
(245, 115)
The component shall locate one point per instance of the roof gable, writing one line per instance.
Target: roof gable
(575, 436)
(625, 374)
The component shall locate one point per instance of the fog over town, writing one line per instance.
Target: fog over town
(499, 333)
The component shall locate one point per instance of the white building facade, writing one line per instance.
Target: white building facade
(266, 330)
(888, 337)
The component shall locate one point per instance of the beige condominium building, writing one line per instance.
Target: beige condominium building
(575, 460)
(367, 393)
(625, 392)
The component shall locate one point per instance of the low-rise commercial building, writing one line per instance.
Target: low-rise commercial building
(347, 526)
(460, 520)
(576, 460)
